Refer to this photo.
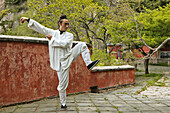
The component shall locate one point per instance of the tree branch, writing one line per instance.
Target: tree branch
(165, 41)
(137, 29)
(100, 39)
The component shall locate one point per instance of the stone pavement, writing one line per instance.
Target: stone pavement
(114, 100)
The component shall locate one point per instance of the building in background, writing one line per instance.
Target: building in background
(161, 56)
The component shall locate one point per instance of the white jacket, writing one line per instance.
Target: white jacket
(59, 46)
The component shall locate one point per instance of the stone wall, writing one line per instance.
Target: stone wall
(25, 72)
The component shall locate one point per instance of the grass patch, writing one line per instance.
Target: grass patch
(166, 78)
(155, 77)
(115, 107)
(97, 110)
(159, 84)
(135, 107)
(152, 75)
(105, 99)
(138, 70)
(122, 92)
(120, 112)
(159, 64)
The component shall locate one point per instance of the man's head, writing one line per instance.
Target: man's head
(63, 23)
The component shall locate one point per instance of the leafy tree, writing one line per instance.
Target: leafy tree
(14, 2)
(148, 29)
(151, 29)
(156, 31)
(47, 12)
(139, 5)
(155, 25)
(154, 4)
(100, 22)
(86, 17)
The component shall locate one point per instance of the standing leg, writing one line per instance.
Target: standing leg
(62, 95)
(63, 77)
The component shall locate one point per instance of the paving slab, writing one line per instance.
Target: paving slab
(8, 109)
(25, 110)
(122, 100)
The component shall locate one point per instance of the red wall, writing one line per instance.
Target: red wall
(25, 74)
(115, 49)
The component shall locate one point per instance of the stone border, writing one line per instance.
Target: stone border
(111, 68)
(26, 39)
(23, 39)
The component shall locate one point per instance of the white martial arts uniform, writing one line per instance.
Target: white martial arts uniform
(62, 54)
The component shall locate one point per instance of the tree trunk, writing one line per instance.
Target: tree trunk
(146, 64)
(88, 36)
(77, 36)
(105, 46)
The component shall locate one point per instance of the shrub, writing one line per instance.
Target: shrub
(105, 58)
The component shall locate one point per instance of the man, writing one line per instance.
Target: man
(61, 52)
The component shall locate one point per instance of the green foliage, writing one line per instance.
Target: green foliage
(130, 58)
(160, 64)
(155, 25)
(100, 22)
(155, 77)
(3, 13)
(48, 12)
(105, 58)
(3, 23)
(139, 5)
(152, 75)
(154, 4)
(22, 29)
(88, 19)
(121, 26)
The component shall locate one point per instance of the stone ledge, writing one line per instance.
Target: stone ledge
(23, 39)
(5, 38)
(111, 68)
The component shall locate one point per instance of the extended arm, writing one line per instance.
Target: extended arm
(37, 26)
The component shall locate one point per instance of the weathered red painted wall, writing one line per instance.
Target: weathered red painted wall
(81, 79)
(25, 74)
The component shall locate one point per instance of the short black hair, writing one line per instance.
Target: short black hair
(63, 16)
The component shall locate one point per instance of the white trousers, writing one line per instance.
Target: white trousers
(63, 74)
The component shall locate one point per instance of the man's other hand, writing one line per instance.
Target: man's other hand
(49, 37)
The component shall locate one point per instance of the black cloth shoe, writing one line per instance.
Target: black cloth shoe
(63, 107)
(91, 65)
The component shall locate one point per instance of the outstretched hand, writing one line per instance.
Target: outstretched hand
(48, 36)
(23, 19)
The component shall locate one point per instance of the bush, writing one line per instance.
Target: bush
(105, 58)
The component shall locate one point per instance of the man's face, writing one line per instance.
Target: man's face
(64, 25)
